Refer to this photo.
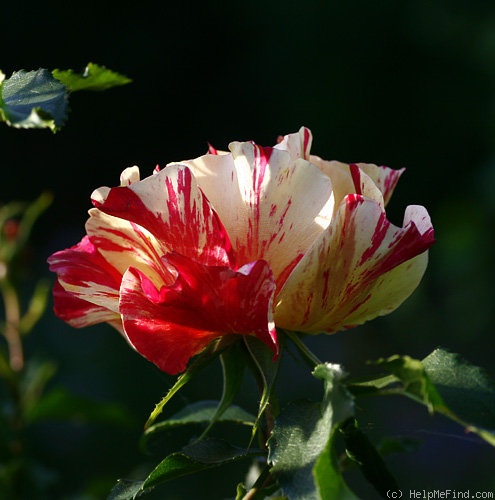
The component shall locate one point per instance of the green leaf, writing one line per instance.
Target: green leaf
(331, 485)
(361, 451)
(201, 412)
(467, 392)
(33, 99)
(94, 77)
(126, 490)
(60, 404)
(233, 366)
(415, 382)
(445, 384)
(200, 455)
(301, 448)
(200, 362)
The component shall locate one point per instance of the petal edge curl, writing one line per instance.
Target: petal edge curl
(348, 267)
(170, 325)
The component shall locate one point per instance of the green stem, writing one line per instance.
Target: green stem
(12, 321)
(15, 440)
(264, 480)
(311, 360)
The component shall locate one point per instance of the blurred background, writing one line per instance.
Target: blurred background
(407, 83)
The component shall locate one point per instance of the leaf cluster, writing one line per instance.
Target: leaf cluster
(40, 99)
(299, 452)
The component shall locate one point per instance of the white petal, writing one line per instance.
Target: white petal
(273, 208)
(129, 175)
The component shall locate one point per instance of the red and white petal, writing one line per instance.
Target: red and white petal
(85, 274)
(170, 325)
(385, 178)
(174, 210)
(81, 313)
(390, 290)
(298, 145)
(272, 207)
(348, 179)
(125, 244)
(129, 176)
(357, 265)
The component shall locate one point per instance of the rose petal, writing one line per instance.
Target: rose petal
(84, 273)
(81, 313)
(129, 176)
(173, 209)
(348, 179)
(353, 267)
(298, 145)
(272, 207)
(125, 244)
(170, 325)
(384, 178)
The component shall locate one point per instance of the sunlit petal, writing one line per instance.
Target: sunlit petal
(171, 207)
(84, 273)
(353, 268)
(273, 208)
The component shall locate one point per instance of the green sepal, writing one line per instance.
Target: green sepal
(233, 366)
(94, 77)
(301, 448)
(265, 369)
(201, 361)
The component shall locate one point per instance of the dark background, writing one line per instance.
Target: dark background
(405, 83)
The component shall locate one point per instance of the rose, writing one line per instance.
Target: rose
(236, 243)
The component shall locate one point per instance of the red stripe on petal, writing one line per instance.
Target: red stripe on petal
(385, 178)
(170, 325)
(261, 162)
(363, 266)
(356, 177)
(81, 313)
(174, 210)
(82, 270)
(307, 139)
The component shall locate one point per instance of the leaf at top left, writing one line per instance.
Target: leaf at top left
(33, 99)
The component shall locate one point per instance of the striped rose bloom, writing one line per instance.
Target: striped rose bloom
(241, 243)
